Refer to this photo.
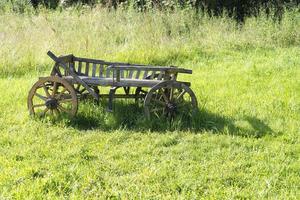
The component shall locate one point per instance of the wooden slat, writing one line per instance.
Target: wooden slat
(138, 72)
(72, 66)
(161, 74)
(101, 71)
(87, 66)
(130, 74)
(94, 70)
(79, 67)
(122, 72)
(145, 74)
(152, 75)
(108, 70)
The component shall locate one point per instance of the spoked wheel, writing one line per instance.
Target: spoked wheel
(168, 100)
(52, 96)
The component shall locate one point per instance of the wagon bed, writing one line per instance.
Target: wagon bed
(74, 77)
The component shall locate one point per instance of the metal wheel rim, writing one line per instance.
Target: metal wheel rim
(55, 102)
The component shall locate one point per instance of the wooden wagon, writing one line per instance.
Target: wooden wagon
(73, 78)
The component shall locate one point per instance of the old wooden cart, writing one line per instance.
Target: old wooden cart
(73, 78)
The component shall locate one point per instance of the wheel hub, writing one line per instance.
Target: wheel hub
(51, 103)
(171, 107)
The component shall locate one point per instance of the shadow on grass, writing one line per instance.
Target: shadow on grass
(128, 116)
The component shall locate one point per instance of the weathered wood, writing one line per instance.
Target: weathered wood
(87, 68)
(88, 60)
(130, 74)
(161, 74)
(137, 76)
(145, 74)
(108, 71)
(79, 67)
(74, 75)
(101, 71)
(153, 74)
(112, 81)
(94, 70)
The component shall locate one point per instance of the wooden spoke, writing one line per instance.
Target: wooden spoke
(63, 109)
(181, 94)
(164, 96)
(61, 93)
(56, 111)
(45, 111)
(171, 94)
(65, 101)
(46, 90)
(38, 105)
(41, 96)
(159, 102)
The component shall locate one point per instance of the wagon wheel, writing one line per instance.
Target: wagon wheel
(170, 99)
(52, 96)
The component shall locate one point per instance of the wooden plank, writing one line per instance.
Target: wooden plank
(88, 60)
(145, 74)
(122, 72)
(137, 76)
(72, 66)
(108, 71)
(101, 71)
(156, 68)
(153, 74)
(130, 74)
(94, 70)
(87, 66)
(79, 67)
(161, 74)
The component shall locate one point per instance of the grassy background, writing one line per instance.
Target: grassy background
(246, 79)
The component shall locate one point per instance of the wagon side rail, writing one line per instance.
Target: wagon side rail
(170, 72)
(60, 61)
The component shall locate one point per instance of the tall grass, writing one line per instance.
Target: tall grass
(154, 37)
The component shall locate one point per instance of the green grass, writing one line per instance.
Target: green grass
(246, 79)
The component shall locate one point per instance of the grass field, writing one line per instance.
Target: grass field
(245, 144)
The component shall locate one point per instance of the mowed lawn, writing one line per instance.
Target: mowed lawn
(245, 143)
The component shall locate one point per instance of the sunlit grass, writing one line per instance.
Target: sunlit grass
(245, 143)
